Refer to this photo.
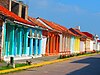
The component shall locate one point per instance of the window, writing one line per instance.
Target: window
(33, 42)
(28, 42)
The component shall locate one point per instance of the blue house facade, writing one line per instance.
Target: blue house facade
(21, 41)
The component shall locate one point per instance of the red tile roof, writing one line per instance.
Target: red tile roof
(10, 14)
(98, 40)
(72, 33)
(51, 24)
(57, 27)
(36, 22)
(88, 35)
(68, 31)
(77, 32)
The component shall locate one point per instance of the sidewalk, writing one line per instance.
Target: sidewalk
(39, 59)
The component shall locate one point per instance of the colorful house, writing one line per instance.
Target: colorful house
(20, 38)
(79, 41)
(58, 38)
(72, 43)
(24, 37)
(53, 38)
(44, 28)
(65, 41)
(98, 45)
(96, 42)
(89, 42)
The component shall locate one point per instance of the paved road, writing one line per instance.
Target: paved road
(79, 66)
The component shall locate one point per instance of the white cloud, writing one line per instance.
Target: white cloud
(55, 7)
(97, 14)
(69, 8)
(42, 3)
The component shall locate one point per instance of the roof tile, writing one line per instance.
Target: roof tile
(10, 14)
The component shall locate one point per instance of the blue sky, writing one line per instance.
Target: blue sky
(69, 13)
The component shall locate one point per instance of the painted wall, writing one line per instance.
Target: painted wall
(91, 45)
(61, 44)
(44, 40)
(72, 44)
(82, 46)
(77, 45)
(65, 41)
(52, 43)
(88, 45)
(68, 44)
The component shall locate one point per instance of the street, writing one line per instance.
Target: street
(89, 65)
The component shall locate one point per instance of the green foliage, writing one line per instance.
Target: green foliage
(5, 67)
(77, 54)
(10, 67)
(20, 65)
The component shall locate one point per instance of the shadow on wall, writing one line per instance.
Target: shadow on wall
(92, 69)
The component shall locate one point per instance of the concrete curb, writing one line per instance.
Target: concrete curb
(42, 64)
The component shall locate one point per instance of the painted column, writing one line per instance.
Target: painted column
(7, 53)
(31, 46)
(72, 45)
(40, 47)
(60, 48)
(15, 50)
(75, 46)
(12, 41)
(36, 47)
(3, 49)
(19, 49)
(40, 44)
(54, 43)
(25, 40)
(20, 38)
(79, 45)
(53, 39)
(44, 42)
(47, 45)
(51, 44)
(57, 49)
(62, 43)
(58, 44)
(65, 44)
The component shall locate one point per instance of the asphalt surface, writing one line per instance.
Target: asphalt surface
(78, 66)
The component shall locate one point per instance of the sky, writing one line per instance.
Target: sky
(69, 13)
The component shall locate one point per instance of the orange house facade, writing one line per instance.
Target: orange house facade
(52, 42)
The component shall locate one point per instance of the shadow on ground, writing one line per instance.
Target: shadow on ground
(92, 69)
